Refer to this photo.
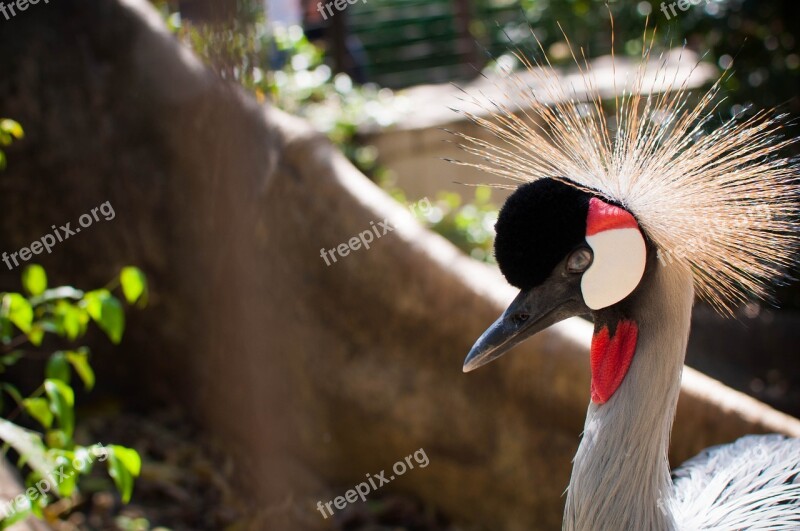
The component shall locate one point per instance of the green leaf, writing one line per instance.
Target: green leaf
(56, 439)
(80, 362)
(13, 392)
(58, 368)
(134, 284)
(36, 335)
(3, 162)
(85, 458)
(20, 514)
(62, 401)
(39, 409)
(129, 457)
(34, 279)
(29, 445)
(38, 505)
(62, 292)
(72, 319)
(12, 128)
(123, 465)
(68, 485)
(18, 310)
(122, 479)
(66, 477)
(106, 311)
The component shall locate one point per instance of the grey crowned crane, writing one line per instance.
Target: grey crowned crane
(625, 218)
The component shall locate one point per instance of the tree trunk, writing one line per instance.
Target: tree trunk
(312, 375)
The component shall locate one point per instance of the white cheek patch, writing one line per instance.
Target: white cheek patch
(617, 268)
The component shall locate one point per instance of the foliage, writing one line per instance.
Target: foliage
(9, 131)
(53, 458)
(470, 226)
(231, 49)
(280, 65)
(305, 86)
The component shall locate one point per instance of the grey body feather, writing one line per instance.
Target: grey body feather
(621, 478)
(752, 484)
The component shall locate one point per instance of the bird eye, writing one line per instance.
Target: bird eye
(580, 260)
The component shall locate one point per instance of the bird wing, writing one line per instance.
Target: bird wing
(752, 484)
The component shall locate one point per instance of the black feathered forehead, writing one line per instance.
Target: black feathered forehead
(538, 225)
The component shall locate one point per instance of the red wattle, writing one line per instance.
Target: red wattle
(611, 358)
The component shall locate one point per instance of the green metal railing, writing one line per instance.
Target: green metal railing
(409, 42)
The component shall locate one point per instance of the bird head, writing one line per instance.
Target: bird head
(658, 180)
(569, 251)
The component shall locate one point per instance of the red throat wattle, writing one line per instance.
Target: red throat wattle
(611, 358)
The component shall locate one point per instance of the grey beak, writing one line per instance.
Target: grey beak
(531, 312)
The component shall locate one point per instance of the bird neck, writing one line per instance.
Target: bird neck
(620, 477)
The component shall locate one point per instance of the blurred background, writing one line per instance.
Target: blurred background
(79, 124)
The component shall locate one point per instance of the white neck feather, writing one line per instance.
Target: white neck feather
(620, 477)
